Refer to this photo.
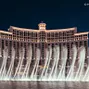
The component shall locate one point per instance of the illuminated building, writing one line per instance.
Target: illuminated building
(30, 45)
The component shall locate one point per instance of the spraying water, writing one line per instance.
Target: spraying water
(70, 76)
(27, 67)
(57, 55)
(3, 67)
(35, 69)
(10, 70)
(18, 69)
(53, 69)
(79, 74)
(61, 75)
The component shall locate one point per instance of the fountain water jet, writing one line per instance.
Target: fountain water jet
(61, 75)
(3, 67)
(54, 68)
(10, 70)
(79, 74)
(70, 76)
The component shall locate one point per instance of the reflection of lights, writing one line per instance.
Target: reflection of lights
(42, 66)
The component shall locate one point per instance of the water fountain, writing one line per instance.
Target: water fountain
(55, 56)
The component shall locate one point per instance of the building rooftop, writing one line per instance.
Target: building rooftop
(42, 27)
(82, 33)
(5, 32)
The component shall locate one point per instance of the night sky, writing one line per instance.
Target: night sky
(56, 14)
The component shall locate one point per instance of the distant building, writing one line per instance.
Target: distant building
(41, 38)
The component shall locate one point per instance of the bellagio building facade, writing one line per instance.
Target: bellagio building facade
(41, 38)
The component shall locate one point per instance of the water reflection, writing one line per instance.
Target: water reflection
(44, 85)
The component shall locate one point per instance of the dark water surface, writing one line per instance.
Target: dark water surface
(44, 85)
